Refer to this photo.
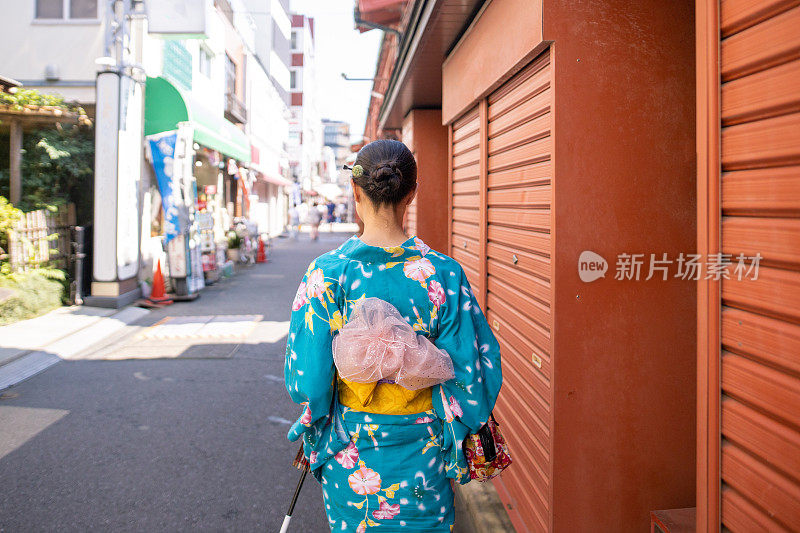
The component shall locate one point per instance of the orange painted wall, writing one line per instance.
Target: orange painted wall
(624, 182)
(424, 134)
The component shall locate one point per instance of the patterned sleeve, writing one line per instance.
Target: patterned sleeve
(309, 369)
(466, 401)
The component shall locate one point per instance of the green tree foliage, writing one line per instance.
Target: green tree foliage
(26, 294)
(8, 216)
(57, 168)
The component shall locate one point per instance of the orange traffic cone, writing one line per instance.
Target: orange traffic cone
(158, 294)
(262, 255)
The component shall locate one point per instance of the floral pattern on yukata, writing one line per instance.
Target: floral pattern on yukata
(391, 475)
(431, 292)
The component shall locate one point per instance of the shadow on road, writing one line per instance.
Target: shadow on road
(191, 441)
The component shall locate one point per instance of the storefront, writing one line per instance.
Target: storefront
(217, 191)
(269, 200)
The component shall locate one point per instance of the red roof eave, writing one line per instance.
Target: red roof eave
(384, 12)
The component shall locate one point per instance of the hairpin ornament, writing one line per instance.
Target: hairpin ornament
(357, 170)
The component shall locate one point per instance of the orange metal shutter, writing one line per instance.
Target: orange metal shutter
(518, 298)
(760, 213)
(465, 219)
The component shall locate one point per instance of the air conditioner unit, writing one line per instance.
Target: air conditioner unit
(51, 72)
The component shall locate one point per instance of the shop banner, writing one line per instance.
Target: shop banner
(162, 151)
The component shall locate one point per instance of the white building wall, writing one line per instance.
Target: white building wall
(268, 125)
(29, 45)
(263, 14)
(207, 89)
(306, 119)
(244, 24)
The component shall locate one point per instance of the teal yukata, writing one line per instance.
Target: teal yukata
(381, 470)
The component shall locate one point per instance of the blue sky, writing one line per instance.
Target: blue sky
(341, 48)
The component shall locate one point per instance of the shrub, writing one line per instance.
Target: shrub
(34, 293)
(8, 216)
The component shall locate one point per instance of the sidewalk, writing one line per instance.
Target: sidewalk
(31, 346)
(479, 509)
(347, 228)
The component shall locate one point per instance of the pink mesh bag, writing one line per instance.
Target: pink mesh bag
(377, 344)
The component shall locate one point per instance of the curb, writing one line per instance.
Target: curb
(66, 347)
(479, 509)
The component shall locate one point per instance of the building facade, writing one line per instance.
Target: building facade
(211, 85)
(268, 130)
(46, 36)
(604, 129)
(305, 123)
(519, 143)
(272, 27)
(336, 134)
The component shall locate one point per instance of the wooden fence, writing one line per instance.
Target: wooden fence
(41, 238)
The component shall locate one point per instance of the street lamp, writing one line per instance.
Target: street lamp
(348, 78)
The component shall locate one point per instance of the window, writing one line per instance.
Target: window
(293, 79)
(66, 9)
(83, 9)
(294, 40)
(230, 75)
(49, 9)
(205, 61)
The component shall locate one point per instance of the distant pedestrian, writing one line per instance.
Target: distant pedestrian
(383, 434)
(294, 222)
(314, 220)
(331, 207)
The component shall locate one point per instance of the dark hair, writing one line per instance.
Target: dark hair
(389, 171)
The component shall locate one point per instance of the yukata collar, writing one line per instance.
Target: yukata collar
(357, 249)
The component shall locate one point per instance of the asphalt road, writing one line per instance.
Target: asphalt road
(178, 444)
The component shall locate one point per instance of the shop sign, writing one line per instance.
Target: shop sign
(162, 151)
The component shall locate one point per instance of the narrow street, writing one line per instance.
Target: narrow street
(177, 427)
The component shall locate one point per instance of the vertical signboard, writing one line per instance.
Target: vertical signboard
(105, 177)
(118, 156)
(129, 171)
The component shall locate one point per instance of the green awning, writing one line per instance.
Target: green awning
(165, 106)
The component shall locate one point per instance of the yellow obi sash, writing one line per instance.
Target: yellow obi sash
(384, 398)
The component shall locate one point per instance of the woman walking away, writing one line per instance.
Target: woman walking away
(392, 361)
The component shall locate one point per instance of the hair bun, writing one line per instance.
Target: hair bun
(387, 171)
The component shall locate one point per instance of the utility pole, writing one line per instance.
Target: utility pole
(119, 129)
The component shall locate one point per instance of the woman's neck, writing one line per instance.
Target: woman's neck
(383, 231)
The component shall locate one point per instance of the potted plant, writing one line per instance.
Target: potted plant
(234, 242)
